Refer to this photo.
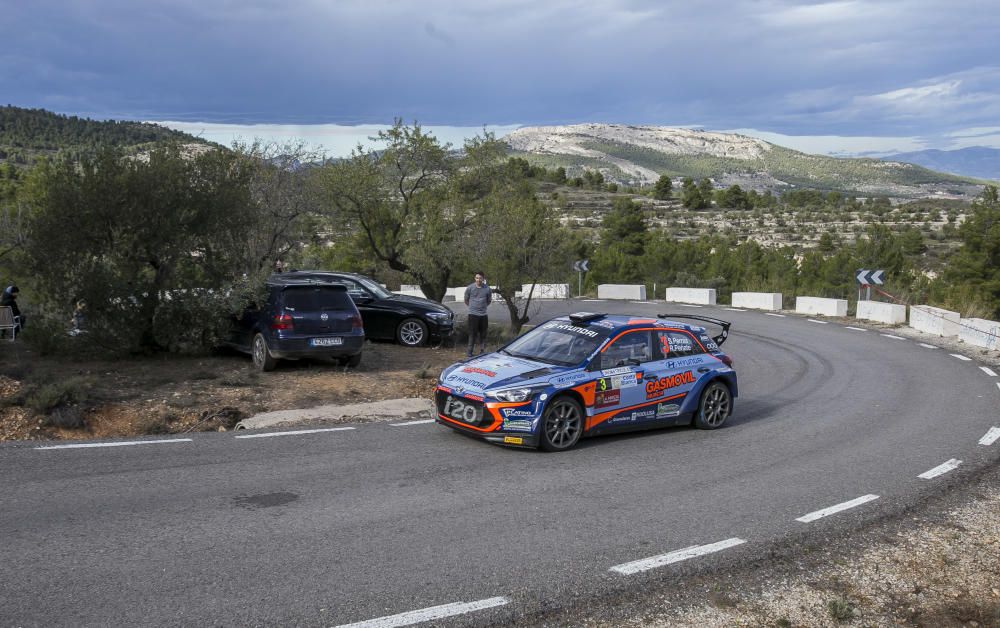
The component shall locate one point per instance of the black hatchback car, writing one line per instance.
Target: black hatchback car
(302, 317)
(410, 321)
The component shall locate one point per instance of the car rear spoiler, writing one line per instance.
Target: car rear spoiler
(721, 338)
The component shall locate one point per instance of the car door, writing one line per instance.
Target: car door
(672, 378)
(373, 311)
(620, 397)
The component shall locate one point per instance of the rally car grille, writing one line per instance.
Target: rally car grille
(461, 409)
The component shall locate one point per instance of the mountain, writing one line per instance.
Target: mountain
(975, 161)
(638, 155)
(26, 134)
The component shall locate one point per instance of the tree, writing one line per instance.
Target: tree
(691, 196)
(734, 197)
(707, 191)
(663, 188)
(973, 272)
(155, 245)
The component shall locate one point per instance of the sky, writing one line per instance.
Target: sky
(843, 77)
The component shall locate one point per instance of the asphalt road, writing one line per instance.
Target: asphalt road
(330, 528)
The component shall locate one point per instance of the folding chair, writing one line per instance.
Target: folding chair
(9, 321)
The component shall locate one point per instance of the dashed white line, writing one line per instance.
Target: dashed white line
(926, 346)
(296, 432)
(420, 422)
(733, 309)
(893, 337)
(988, 371)
(854, 328)
(991, 436)
(593, 300)
(429, 614)
(998, 384)
(772, 314)
(826, 512)
(694, 551)
(941, 469)
(961, 357)
(687, 305)
(120, 444)
(813, 320)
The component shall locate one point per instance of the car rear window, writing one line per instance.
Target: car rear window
(313, 298)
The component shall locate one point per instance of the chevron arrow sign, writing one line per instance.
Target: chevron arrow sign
(870, 277)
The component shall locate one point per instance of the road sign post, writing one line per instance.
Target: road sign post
(580, 266)
(866, 279)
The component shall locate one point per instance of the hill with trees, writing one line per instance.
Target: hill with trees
(639, 155)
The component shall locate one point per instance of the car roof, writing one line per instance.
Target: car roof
(292, 279)
(621, 322)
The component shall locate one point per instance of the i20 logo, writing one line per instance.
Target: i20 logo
(662, 385)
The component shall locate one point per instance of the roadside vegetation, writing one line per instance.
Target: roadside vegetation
(163, 243)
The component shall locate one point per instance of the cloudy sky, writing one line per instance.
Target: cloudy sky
(839, 77)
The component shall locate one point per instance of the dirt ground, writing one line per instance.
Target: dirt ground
(64, 398)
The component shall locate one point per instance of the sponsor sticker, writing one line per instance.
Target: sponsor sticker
(616, 371)
(603, 399)
(479, 371)
(635, 415)
(461, 379)
(658, 387)
(709, 343)
(517, 412)
(513, 440)
(665, 410)
(518, 425)
(564, 381)
(583, 331)
(683, 362)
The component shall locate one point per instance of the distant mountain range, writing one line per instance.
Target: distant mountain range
(638, 155)
(977, 161)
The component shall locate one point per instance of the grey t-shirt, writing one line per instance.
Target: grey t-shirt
(478, 299)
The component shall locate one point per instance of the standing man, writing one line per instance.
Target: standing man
(478, 297)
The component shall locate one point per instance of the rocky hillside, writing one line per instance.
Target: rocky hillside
(638, 155)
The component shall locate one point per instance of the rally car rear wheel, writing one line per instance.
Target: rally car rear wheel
(714, 408)
(562, 424)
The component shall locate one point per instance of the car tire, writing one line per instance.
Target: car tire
(562, 424)
(714, 407)
(412, 332)
(262, 358)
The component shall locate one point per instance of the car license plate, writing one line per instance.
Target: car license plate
(326, 342)
(462, 410)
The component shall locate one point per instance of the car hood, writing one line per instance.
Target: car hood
(417, 303)
(495, 370)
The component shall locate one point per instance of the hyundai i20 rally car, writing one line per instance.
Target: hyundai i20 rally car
(588, 374)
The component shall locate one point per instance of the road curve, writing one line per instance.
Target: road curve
(409, 522)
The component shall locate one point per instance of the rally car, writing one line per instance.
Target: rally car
(588, 374)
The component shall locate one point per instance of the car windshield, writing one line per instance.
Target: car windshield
(557, 342)
(374, 288)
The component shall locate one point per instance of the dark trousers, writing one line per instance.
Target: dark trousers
(477, 332)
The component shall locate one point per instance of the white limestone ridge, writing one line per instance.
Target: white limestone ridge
(571, 140)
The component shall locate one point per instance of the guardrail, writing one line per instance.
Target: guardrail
(934, 320)
(889, 313)
(821, 306)
(547, 290)
(981, 333)
(770, 301)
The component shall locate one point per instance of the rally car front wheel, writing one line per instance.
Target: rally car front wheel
(562, 424)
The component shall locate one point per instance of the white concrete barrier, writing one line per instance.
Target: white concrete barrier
(758, 300)
(889, 313)
(701, 296)
(980, 332)
(621, 291)
(406, 287)
(411, 293)
(546, 290)
(934, 320)
(823, 307)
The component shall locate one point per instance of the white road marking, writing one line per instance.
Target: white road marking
(998, 384)
(420, 422)
(673, 557)
(854, 328)
(121, 444)
(813, 320)
(687, 305)
(429, 614)
(941, 469)
(593, 300)
(991, 436)
(893, 337)
(734, 309)
(826, 512)
(772, 314)
(988, 371)
(926, 346)
(640, 302)
(297, 432)
(961, 357)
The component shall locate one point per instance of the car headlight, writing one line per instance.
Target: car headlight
(440, 317)
(513, 394)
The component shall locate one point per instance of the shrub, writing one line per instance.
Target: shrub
(840, 609)
(46, 397)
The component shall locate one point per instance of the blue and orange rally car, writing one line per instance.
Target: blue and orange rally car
(587, 374)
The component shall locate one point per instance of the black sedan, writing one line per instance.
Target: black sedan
(410, 321)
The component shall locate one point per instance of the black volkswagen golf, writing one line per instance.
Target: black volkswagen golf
(301, 317)
(410, 321)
